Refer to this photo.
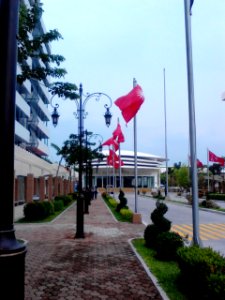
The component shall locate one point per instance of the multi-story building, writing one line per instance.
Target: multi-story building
(32, 133)
(32, 114)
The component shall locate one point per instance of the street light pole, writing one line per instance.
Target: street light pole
(12, 250)
(80, 115)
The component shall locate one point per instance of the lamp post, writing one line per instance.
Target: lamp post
(98, 138)
(12, 250)
(81, 115)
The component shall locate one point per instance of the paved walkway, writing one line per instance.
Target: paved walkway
(100, 266)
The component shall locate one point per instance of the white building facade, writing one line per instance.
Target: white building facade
(148, 171)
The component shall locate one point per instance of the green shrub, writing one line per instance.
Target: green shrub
(123, 201)
(48, 208)
(167, 244)
(127, 214)
(215, 196)
(113, 202)
(204, 270)
(34, 211)
(65, 198)
(150, 235)
(160, 224)
(58, 205)
(209, 204)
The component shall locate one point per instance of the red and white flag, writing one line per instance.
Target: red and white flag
(118, 134)
(111, 142)
(114, 160)
(214, 158)
(130, 103)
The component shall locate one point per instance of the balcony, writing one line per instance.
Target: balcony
(39, 127)
(21, 103)
(40, 108)
(21, 133)
(38, 147)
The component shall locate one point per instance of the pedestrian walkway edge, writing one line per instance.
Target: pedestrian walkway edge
(152, 277)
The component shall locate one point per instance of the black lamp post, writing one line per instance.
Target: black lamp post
(99, 139)
(12, 250)
(80, 115)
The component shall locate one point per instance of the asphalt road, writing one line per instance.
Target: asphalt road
(211, 224)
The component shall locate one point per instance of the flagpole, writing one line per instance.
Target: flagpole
(166, 187)
(135, 157)
(208, 167)
(120, 171)
(192, 128)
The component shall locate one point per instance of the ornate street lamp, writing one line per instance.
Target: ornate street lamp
(55, 116)
(81, 115)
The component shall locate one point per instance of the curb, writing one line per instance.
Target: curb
(152, 277)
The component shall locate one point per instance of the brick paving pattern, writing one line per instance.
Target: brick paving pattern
(101, 266)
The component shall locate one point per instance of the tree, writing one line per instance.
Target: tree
(72, 151)
(183, 177)
(32, 44)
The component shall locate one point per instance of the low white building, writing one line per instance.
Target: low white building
(148, 171)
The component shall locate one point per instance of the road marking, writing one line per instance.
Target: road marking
(206, 231)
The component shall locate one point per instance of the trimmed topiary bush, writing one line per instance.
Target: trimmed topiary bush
(123, 201)
(150, 235)
(160, 224)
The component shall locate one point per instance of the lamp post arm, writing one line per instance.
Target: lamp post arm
(97, 97)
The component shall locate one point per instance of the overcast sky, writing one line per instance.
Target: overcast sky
(107, 43)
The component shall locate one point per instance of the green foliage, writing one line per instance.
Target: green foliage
(167, 244)
(72, 151)
(204, 270)
(127, 214)
(124, 215)
(34, 211)
(150, 235)
(67, 199)
(160, 224)
(113, 202)
(58, 205)
(31, 44)
(215, 196)
(123, 201)
(166, 272)
(182, 176)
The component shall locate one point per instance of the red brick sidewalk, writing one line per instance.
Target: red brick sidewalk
(100, 266)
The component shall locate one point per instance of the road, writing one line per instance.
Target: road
(211, 224)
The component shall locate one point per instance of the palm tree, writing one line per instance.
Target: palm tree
(57, 148)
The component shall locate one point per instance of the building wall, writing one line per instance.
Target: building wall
(28, 163)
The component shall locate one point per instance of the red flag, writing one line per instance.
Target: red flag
(114, 160)
(214, 158)
(111, 142)
(112, 157)
(118, 134)
(130, 103)
(199, 164)
(118, 163)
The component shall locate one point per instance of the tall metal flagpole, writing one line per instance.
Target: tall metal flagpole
(166, 187)
(135, 157)
(120, 169)
(192, 128)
